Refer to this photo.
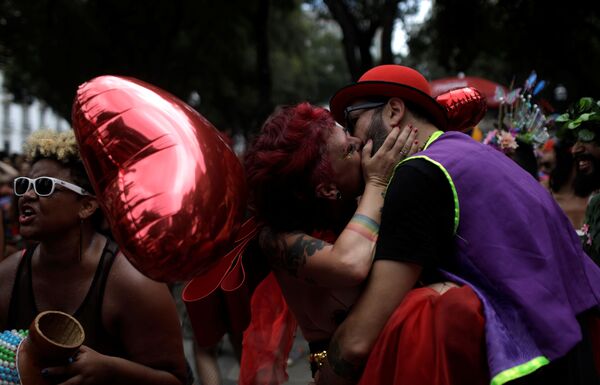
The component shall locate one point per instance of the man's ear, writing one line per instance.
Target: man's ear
(88, 206)
(327, 191)
(395, 111)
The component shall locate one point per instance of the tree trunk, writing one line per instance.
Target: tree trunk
(388, 18)
(351, 35)
(264, 75)
(357, 41)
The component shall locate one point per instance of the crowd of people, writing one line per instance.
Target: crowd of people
(405, 250)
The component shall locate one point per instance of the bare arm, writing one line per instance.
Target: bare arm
(90, 367)
(354, 339)
(346, 262)
(150, 330)
(142, 314)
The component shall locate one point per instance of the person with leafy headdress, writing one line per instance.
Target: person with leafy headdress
(582, 121)
(561, 181)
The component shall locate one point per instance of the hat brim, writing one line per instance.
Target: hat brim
(368, 89)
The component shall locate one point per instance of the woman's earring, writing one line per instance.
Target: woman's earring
(80, 239)
(338, 195)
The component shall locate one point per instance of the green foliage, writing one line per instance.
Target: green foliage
(205, 48)
(361, 21)
(506, 39)
(582, 119)
(308, 65)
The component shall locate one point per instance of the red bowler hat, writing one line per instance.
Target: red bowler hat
(390, 80)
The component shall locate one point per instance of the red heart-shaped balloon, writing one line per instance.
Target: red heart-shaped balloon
(465, 107)
(173, 191)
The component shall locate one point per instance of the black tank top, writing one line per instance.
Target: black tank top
(23, 310)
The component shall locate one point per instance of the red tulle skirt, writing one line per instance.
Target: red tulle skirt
(431, 338)
(269, 337)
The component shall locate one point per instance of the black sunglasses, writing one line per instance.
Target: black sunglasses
(351, 120)
(44, 186)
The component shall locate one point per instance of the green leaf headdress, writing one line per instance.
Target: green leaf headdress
(582, 120)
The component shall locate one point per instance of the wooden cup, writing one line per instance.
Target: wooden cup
(54, 336)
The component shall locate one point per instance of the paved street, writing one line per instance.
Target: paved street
(298, 371)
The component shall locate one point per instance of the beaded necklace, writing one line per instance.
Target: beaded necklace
(9, 343)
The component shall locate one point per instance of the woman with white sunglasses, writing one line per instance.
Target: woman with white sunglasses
(131, 324)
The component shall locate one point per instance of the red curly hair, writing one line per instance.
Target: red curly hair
(284, 165)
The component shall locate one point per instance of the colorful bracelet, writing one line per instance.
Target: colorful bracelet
(364, 226)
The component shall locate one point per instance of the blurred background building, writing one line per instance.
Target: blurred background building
(17, 120)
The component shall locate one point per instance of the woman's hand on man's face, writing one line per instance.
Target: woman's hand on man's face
(398, 145)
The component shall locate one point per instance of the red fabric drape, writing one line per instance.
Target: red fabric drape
(431, 338)
(269, 338)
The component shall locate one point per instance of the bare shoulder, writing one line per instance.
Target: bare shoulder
(125, 278)
(9, 265)
(130, 295)
(142, 313)
(8, 272)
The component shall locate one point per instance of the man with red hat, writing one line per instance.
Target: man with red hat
(464, 211)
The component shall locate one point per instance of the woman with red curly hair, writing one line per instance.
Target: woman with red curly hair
(305, 174)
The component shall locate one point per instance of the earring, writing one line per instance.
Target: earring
(80, 239)
(338, 195)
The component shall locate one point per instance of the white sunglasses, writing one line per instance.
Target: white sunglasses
(44, 186)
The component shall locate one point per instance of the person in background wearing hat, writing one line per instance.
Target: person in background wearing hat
(583, 120)
(466, 210)
(131, 327)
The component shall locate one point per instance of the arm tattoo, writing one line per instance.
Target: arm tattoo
(341, 367)
(293, 257)
(299, 251)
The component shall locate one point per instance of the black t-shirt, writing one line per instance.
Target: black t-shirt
(417, 226)
(417, 221)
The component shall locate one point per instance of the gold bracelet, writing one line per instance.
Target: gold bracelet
(318, 358)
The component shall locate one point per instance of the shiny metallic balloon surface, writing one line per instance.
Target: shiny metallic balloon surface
(465, 107)
(173, 191)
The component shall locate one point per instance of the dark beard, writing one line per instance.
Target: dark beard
(377, 131)
(585, 184)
